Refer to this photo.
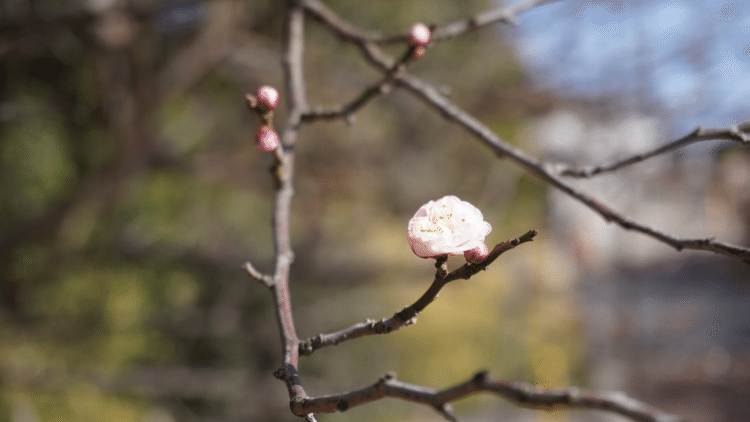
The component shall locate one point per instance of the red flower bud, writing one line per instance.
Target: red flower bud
(478, 254)
(268, 98)
(419, 35)
(266, 140)
(418, 52)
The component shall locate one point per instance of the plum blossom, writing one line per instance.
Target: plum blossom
(448, 226)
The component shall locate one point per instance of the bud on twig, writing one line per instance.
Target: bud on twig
(268, 98)
(419, 35)
(266, 140)
(478, 254)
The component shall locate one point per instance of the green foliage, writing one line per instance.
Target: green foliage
(36, 165)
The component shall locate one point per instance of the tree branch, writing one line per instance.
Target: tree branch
(504, 14)
(546, 172)
(267, 280)
(283, 171)
(347, 31)
(407, 316)
(521, 393)
(346, 112)
(738, 133)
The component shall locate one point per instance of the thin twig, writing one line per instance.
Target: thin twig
(738, 133)
(367, 41)
(346, 112)
(503, 14)
(267, 280)
(521, 393)
(407, 316)
(347, 31)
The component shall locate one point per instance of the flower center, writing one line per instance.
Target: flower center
(443, 222)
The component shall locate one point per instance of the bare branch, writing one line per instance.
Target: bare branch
(350, 33)
(407, 316)
(505, 14)
(467, 270)
(254, 273)
(738, 133)
(346, 112)
(347, 31)
(544, 171)
(521, 393)
(283, 171)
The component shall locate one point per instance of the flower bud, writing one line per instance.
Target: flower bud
(268, 98)
(266, 140)
(419, 35)
(478, 254)
(418, 52)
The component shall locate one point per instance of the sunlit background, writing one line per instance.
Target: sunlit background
(131, 194)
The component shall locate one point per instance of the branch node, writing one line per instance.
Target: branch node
(446, 410)
(574, 395)
(254, 273)
(342, 405)
(281, 374)
(297, 403)
(480, 378)
(306, 347)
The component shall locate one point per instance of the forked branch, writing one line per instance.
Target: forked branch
(738, 133)
(521, 393)
(407, 316)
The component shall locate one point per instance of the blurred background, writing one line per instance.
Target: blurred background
(131, 194)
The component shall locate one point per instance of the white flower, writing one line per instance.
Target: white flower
(448, 226)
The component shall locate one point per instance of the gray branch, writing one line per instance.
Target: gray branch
(738, 133)
(521, 393)
(407, 316)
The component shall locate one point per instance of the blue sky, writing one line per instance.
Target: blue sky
(689, 58)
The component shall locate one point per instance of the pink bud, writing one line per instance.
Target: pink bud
(419, 35)
(266, 140)
(478, 254)
(268, 98)
(418, 52)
